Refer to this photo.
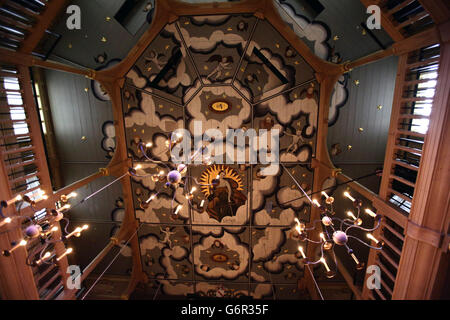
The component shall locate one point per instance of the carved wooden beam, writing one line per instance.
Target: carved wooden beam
(420, 40)
(27, 60)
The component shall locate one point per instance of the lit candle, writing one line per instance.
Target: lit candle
(62, 209)
(371, 213)
(302, 252)
(72, 195)
(161, 173)
(54, 229)
(22, 243)
(193, 189)
(349, 196)
(138, 167)
(68, 251)
(178, 209)
(371, 237)
(322, 236)
(5, 221)
(325, 264)
(325, 194)
(43, 197)
(149, 145)
(354, 258)
(18, 198)
(351, 215)
(77, 231)
(153, 196)
(45, 257)
(202, 203)
(299, 227)
(316, 203)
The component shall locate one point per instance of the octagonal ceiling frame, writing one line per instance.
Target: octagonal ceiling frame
(168, 11)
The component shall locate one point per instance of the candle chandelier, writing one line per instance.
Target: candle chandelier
(334, 231)
(174, 178)
(43, 225)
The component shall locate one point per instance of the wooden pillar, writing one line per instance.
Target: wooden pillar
(425, 249)
(321, 172)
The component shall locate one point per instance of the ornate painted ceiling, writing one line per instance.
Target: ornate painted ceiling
(243, 245)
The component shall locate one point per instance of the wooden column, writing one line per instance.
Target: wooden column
(425, 249)
(321, 173)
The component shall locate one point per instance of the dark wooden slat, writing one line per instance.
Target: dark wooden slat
(393, 231)
(412, 20)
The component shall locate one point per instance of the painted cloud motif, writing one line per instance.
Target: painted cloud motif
(314, 32)
(215, 273)
(148, 116)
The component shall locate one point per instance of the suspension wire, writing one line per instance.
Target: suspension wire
(296, 182)
(320, 191)
(103, 188)
(112, 261)
(315, 282)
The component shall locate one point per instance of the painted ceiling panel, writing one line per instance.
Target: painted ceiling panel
(271, 65)
(150, 119)
(231, 238)
(216, 44)
(275, 197)
(164, 67)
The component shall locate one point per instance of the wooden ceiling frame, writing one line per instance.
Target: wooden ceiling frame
(112, 79)
(169, 11)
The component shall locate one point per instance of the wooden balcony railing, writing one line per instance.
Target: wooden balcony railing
(414, 105)
(402, 18)
(23, 24)
(24, 165)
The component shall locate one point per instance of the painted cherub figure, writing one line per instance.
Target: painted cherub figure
(167, 234)
(157, 59)
(224, 63)
(297, 140)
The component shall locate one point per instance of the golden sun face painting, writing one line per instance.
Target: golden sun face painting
(213, 171)
(223, 188)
